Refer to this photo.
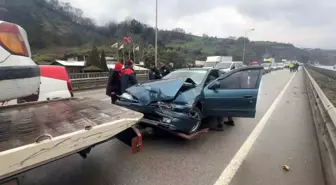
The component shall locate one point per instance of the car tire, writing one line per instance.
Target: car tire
(196, 113)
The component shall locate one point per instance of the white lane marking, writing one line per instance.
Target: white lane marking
(106, 99)
(231, 169)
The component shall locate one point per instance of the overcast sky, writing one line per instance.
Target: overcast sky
(305, 23)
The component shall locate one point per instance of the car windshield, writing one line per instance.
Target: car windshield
(223, 65)
(280, 64)
(196, 75)
(265, 64)
(210, 64)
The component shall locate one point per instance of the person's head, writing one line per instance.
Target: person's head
(118, 67)
(129, 63)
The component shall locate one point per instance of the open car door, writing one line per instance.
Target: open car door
(234, 94)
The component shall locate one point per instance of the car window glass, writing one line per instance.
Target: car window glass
(246, 79)
(213, 75)
(196, 75)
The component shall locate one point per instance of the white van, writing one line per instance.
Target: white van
(228, 66)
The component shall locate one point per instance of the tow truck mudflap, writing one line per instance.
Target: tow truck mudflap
(131, 137)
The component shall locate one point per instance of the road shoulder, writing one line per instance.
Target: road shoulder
(288, 139)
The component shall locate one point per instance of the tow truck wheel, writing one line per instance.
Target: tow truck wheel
(197, 114)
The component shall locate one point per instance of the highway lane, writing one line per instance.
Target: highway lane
(288, 138)
(165, 160)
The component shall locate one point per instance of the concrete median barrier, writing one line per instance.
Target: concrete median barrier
(324, 115)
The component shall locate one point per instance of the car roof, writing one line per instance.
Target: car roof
(194, 69)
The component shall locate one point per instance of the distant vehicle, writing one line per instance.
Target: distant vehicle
(274, 66)
(228, 66)
(213, 60)
(267, 67)
(254, 63)
(184, 97)
(280, 65)
(287, 64)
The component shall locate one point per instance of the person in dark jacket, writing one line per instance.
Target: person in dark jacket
(128, 77)
(296, 67)
(113, 88)
(154, 73)
(164, 70)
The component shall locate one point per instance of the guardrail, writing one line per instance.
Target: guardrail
(324, 115)
(97, 75)
(98, 82)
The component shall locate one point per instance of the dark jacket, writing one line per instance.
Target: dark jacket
(164, 71)
(128, 79)
(154, 74)
(114, 83)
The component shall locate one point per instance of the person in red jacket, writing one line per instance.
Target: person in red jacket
(113, 88)
(128, 77)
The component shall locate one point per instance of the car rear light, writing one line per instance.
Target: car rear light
(12, 40)
(70, 88)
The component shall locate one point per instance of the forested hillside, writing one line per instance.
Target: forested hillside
(56, 28)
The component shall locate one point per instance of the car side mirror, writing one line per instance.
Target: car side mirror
(233, 67)
(214, 85)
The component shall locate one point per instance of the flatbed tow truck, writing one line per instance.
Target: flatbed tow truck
(36, 133)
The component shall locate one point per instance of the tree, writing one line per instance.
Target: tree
(103, 64)
(93, 59)
(179, 30)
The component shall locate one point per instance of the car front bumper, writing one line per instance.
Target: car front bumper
(158, 117)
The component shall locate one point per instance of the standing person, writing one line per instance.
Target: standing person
(291, 66)
(113, 88)
(128, 77)
(154, 73)
(164, 70)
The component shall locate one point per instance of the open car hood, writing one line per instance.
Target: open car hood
(161, 90)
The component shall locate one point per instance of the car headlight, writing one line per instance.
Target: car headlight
(127, 96)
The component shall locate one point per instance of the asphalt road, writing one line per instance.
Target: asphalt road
(287, 138)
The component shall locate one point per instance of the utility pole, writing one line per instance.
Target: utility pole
(244, 48)
(156, 33)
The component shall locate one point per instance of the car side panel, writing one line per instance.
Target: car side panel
(231, 105)
(52, 88)
(239, 102)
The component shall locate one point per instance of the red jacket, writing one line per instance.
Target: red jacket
(128, 79)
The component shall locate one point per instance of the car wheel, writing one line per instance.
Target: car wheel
(197, 114)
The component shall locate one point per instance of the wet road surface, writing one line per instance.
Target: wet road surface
(286, 139)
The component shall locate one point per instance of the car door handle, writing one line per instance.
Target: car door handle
(248, 96)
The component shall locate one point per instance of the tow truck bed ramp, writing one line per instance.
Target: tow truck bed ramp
(33, 134)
